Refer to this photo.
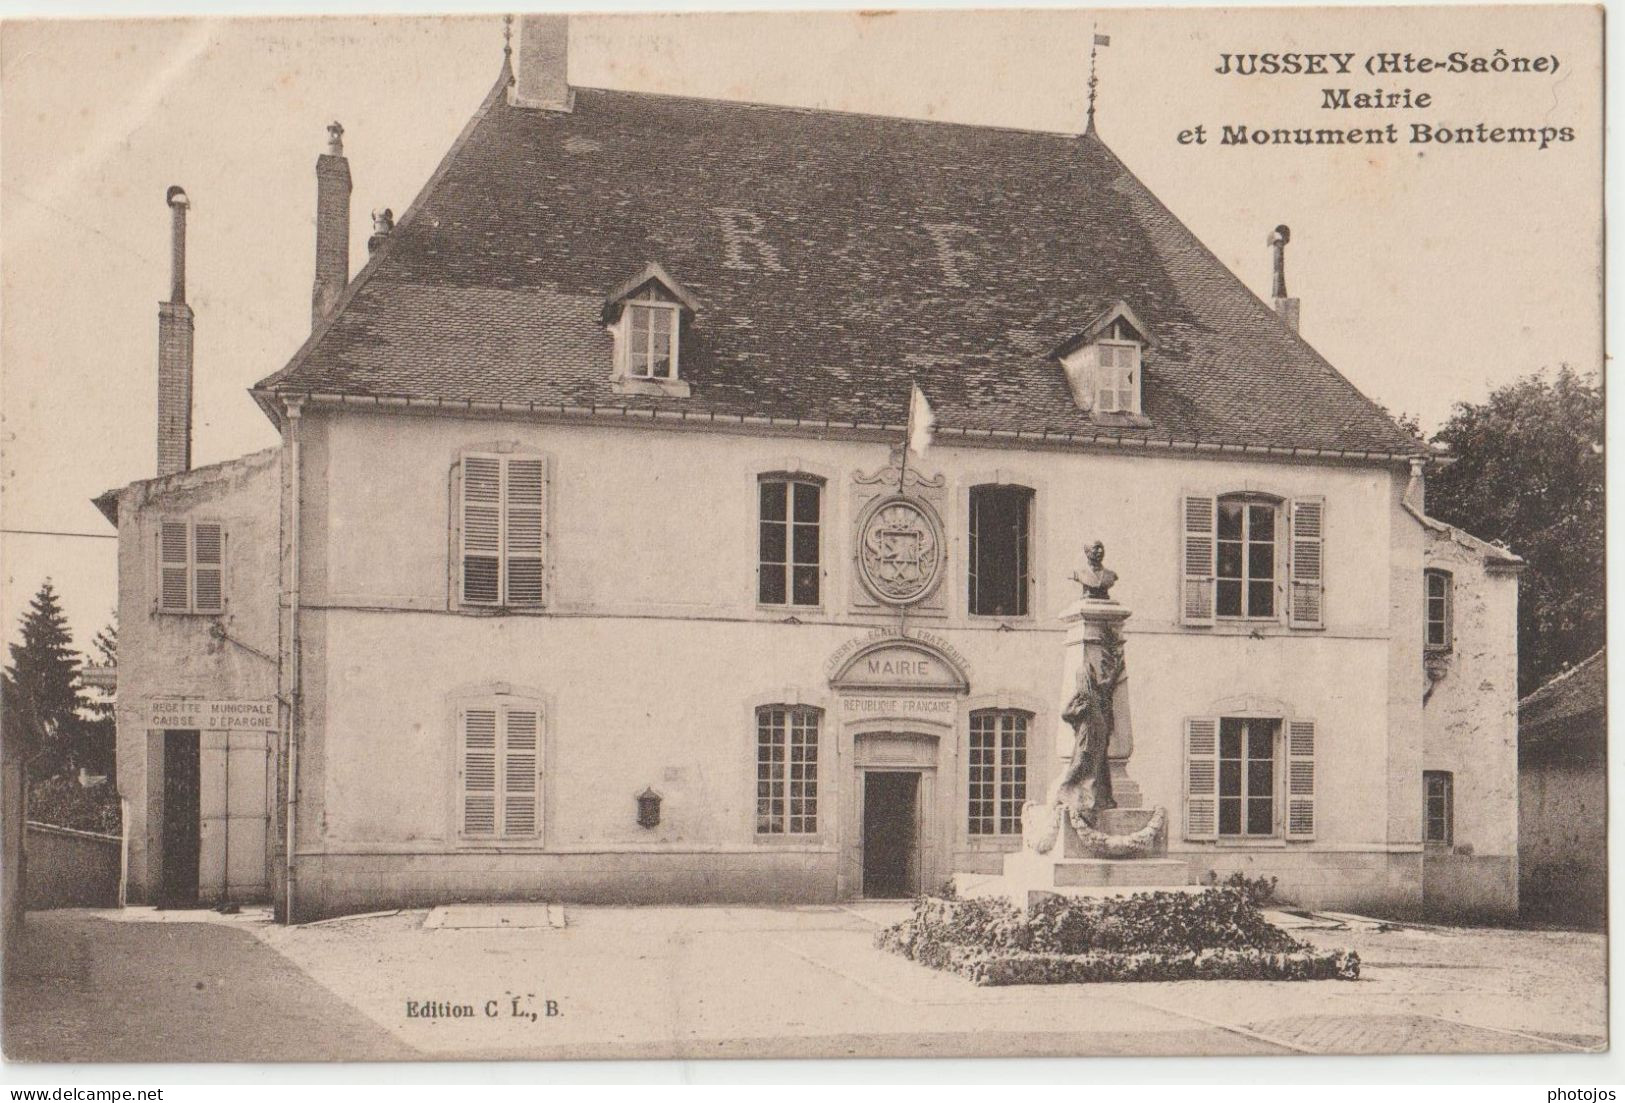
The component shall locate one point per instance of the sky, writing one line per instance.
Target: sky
(1428, 274)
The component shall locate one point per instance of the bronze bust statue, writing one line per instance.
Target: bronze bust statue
(1094, 576)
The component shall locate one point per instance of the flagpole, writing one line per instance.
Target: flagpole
(902, 487)
(908, 436)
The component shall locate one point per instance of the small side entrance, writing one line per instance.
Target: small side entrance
(180, 839)
(891, 833)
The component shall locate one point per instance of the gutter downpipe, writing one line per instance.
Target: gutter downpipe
(295, 409)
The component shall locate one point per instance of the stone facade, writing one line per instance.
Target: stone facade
(386, 654)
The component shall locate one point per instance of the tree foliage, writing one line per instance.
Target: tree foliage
(1529, 473)
(43, 693)
(42, 683)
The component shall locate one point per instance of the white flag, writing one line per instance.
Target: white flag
(922, 423)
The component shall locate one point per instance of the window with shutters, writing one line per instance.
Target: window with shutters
(1249, 777)
(1438, 808)
(1440, 631)
(1245, 572)
(997, 786)
(500, 770)
(787, 770)
(1239, 553)
(789, 513)
(502, 530)
(191, 567)
(1000, 550)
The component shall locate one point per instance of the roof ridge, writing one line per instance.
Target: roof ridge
(801, 109)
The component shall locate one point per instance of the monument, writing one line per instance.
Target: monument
(1091, 834)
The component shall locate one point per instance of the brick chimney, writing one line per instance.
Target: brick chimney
(1286, 307)
(544, 52)
(175, 351)
(332, 226)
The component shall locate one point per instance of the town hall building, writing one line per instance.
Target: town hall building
(592, 567)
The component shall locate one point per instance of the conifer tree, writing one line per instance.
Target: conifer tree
(42, 683)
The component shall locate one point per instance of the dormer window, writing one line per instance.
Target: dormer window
(650, 344)
(1103, 366)
(647, 316)
(1117, 377)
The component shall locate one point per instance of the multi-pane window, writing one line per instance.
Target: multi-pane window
(500, 770)
(1438, 611)
(651, 341)
(1000, 520)
(192, 557)
(787, 572)
(1118, 391)
(1438, 813)
(786, 771)
(1246, 558)
(1247, 748)
(503, 529)
(998, 771)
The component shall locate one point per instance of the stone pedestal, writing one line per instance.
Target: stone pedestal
(1073, 867)
(1087, 622)
(1127, 850)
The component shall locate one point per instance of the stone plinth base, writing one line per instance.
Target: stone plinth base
(1072, 868)
(1029, 877)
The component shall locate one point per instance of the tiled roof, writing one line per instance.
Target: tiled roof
(957, 256)
(1568, 704)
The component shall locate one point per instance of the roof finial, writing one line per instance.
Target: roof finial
(507, 39)
(1099, 41)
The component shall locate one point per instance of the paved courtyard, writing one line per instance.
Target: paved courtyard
(740, 982)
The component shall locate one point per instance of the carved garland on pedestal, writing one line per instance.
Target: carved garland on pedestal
(1041, 827)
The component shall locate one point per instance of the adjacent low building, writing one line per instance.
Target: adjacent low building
(591, 566)
(1563, 797)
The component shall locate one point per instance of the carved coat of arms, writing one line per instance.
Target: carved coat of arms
(899, 551)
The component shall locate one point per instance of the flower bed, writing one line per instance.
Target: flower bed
(1219, 934)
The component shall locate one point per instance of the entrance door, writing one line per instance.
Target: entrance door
(178, 888)
(891, 834)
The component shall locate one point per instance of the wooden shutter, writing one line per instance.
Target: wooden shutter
(524, 502)
(519, 771)
(1198, 545)
(973, 541)
(1300, 779)
(1308, 543)
(208, 567)
(1201, 778)
(174, 555)
(479, 772)
(482, 530)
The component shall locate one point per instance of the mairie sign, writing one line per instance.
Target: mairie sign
(899, 663)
